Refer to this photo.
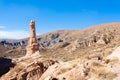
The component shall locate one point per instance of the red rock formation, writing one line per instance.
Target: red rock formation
(32, 44)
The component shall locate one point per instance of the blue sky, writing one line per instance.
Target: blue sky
(51, 15)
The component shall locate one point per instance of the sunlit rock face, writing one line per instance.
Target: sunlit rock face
(32, 44)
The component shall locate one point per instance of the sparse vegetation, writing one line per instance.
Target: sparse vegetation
(91, 46)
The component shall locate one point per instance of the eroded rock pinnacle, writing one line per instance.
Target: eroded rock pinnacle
(32, 43)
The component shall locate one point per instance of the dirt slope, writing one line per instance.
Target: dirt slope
(72, 55)
(102, 39)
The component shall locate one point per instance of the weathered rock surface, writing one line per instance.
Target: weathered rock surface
(114, 62)
(32, 44)
(76, 70)
(43, 68)
(115, 54)
(29, 68)
(92, 65)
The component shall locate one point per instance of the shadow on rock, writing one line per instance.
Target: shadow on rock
(5, 65)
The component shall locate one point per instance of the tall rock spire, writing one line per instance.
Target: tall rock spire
(32, 44)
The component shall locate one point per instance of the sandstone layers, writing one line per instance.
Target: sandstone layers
(32, 44)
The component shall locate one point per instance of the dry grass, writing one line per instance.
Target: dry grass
(102, 73)
(62, 51)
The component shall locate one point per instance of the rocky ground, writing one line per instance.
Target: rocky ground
(89, 54)
(39, 67)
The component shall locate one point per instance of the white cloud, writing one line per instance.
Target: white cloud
(2, 27)
(16, 34)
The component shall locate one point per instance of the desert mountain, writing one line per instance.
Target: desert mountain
(102, 38)
(88, 54)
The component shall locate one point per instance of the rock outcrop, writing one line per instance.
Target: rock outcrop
(115, 54)
(77, 70)
(32, 44)
(29, 68)
(90, 66)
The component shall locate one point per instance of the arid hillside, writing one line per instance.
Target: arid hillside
(70, 44)
(88, 54)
